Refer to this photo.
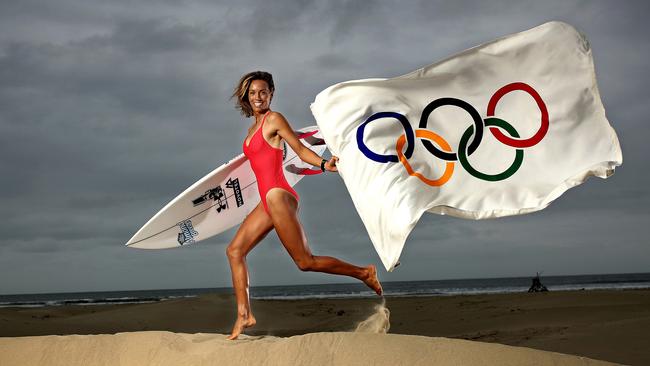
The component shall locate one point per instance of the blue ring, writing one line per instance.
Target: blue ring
(410, 137)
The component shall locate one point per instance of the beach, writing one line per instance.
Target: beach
(608, 325)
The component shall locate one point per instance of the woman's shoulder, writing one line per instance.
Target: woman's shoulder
(274, 115)
(276, 119)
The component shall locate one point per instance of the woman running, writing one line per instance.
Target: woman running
(279, 207)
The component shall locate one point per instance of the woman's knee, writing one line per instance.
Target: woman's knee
(234, 251)
(248, 235)
(306, 263)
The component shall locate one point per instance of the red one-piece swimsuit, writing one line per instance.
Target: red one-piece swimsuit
(266, 162)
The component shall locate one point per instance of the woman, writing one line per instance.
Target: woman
(279, 207)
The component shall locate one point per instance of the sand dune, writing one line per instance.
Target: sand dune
(334, 348)
(368, 345)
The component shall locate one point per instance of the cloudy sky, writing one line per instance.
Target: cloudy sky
(109, 109)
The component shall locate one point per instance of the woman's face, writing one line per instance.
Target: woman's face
(259, 96)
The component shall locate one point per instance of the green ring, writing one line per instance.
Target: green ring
(462, 148)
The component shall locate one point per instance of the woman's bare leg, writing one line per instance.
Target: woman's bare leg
(283, 209)
(254, 228)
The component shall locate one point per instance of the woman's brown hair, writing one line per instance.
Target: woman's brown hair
(240, 93)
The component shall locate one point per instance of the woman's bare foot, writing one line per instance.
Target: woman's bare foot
(371, 280)
(241, 323)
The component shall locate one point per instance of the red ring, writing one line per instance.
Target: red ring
(539, 135)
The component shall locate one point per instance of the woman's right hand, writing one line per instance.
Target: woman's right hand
(330, 165)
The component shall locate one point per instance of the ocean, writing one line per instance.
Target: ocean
(396, 288)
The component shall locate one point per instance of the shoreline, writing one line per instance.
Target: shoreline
(441, 287)
(281, 299)
(608, 325)
(69, 301)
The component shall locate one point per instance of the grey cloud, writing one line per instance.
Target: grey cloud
(158, 37)
(110, 109)
(333, 61)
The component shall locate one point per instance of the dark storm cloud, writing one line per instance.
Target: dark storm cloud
(158, 37)
(110, 109)
(106, 67)
(83, 107)
(269, 21)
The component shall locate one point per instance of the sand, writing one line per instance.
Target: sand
(331, 348)
(590, 325)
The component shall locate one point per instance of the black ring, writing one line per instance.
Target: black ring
(478, 126)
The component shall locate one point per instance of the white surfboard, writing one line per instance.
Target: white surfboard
(220, 200)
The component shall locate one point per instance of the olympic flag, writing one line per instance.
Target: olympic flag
(500, 129)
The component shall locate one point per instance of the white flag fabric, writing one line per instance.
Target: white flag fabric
(500, 129)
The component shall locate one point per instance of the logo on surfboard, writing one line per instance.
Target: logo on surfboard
(218, 195)
(234, 185)
(187, 234)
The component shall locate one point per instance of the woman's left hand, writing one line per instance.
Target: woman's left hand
(330, 166)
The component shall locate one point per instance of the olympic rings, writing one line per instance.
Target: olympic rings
(519, 155)
(543, 128)
(449, 167)
(464, 150)
(386, 158)
(478, 123)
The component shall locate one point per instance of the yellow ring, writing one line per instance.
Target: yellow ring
(449, 167)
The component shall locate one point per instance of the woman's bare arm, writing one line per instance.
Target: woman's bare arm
(285, 131)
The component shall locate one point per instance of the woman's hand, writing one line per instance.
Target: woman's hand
(330, 165)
